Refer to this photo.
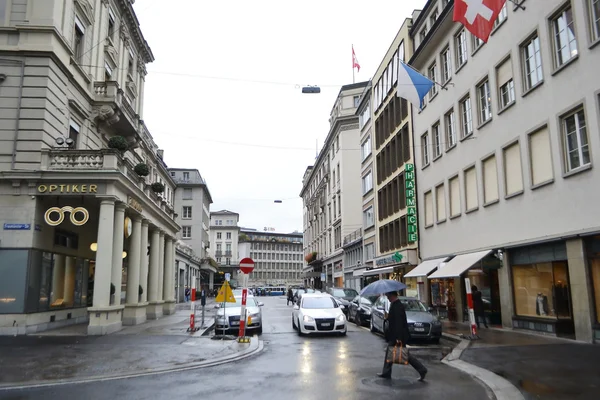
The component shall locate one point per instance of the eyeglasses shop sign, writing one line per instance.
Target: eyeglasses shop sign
(411, 202)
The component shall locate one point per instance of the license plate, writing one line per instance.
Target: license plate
(235, 323)
(326, 324)
(419, 329)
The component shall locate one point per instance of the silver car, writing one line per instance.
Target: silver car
(421, 323)
(228, 318)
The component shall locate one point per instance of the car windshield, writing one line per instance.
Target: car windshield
(413, 305)
(345, 293)
(250, 302)
(368, 301)
(318, 302)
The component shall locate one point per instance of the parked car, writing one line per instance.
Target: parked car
(421, 323)
(318, 313)
(359, 310)
(228, 318)
(344, 294)
(299, 292)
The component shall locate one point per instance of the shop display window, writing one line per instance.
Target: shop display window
(593, 252)
(542, 290)
(411, 287)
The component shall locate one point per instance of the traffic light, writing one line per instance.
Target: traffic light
(311, 89)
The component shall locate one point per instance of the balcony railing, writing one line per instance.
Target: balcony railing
(357, 234)
(218, 253)
(228, 254)
(61, 159)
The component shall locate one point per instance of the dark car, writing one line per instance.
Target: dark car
(360, 309)
(299, 292)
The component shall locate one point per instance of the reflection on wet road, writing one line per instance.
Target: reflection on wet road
(290, 367)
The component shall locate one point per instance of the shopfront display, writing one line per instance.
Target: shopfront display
(443, 298)
(592, 245)
(411, 287)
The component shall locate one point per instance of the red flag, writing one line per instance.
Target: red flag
(355, 63)
(478, 16)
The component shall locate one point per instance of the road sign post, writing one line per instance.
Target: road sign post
(246, 266)
(225, 296)
(471, 312)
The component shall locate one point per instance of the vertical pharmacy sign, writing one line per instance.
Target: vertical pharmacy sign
(411, 202)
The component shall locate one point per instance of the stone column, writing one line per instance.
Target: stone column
(134, 314)
(58, 278)
(117, 253)
(581, 295)
(506, 292)
(69, 285)
(104, 318)
(161, 266)
(211, 280)
(168, 287)
(104, 254)
(154, 309)
(144, 258)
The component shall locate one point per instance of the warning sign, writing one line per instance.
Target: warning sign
(225, 294)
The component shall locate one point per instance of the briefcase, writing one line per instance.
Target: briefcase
(397, 354)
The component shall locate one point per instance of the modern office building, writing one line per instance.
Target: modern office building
(507, 184)
(192, 205)
(391, 177)
(332, 205)
(224, 233)
(86, 200)
(277, 257)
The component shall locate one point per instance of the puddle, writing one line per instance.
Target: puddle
(540, 389)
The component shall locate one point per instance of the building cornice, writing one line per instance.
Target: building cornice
(128, 13)
(432, 30)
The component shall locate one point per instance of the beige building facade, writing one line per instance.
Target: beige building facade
(507, 184)
(332, 206)
(86, 201)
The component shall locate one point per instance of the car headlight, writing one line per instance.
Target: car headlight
(366, 311)
(308, 318)
(436, 322)
(255, 316)
(341, 317)
(220, 318)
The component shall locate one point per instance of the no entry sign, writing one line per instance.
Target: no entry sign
(247, 265)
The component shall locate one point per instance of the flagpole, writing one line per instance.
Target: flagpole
(353, 64)
(445, 87)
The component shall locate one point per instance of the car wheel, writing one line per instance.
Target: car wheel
(350, 318)
(344, 333)
(436, 340)
(299, 329)
(259, 331)
(294, 324)
(357, 320)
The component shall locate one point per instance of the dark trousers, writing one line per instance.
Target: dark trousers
(480, 316)
(413, 361)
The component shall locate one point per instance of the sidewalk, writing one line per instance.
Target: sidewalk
(68, 355)
(539, 366)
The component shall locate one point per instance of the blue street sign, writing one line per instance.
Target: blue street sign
(17, 227)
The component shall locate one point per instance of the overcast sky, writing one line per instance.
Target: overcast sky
(223, 95)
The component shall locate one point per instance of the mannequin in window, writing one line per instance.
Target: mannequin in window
(541, 305)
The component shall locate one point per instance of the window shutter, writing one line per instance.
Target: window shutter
(505, 72)
(472, 199)
(490, 180)
(540, 154)
(428, 209)
(454, 196)
(440, 201)
(513, 176)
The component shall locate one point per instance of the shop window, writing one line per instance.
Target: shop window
(13, 270)
(66, 239)
(593, 250)
(542, 290)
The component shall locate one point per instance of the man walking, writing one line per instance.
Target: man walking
(398, 330)
(478, 308)
(290, 296)
(187, 293)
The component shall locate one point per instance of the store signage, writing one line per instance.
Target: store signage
(411, 202)
(54, 216)
(133, 203)
(395, 258)
(17, 227)
(68, 188)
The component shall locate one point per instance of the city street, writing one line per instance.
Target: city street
(290, 367)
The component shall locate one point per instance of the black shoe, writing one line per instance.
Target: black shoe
(422, 378)
(384, 376)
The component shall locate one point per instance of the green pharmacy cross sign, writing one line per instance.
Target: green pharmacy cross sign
(411, 202)
(397, 257)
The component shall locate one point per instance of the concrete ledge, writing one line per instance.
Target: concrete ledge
(134, 314)
(154, 310)
(169, 307)
(105, 329)
(254, 347)
(500, 387)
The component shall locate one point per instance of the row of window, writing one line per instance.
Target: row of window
(393, 235)
(393, 155)
(275, 256)
(388, 78)
(228, 222)
(262, 275)
(575, 154)
(227, 235)
(395, 111)
(391, 198)
(270, 266)
(297, 246)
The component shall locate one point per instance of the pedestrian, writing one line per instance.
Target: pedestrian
(187, 293)
(398, 331)
(478, 306)
(290, 296)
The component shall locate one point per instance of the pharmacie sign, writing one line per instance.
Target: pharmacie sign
(411, 202)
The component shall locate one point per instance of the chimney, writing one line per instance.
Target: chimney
(160, 153)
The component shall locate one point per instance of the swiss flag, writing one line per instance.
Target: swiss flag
(478, 16)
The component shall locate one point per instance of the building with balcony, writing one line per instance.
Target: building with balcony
(331, 193)
(391, 178)
(224, 233)
(353, 259)
(192, 207)
(86, 199)
(277, 257)
(506, 167)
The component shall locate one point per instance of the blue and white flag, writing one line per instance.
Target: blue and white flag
(412, 85)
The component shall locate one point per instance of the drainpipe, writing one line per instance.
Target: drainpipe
(18, 119)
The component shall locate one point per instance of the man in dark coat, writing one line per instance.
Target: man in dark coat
(398, 330)
(478, 309)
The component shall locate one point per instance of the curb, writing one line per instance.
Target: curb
(256, 346)
(500, 387)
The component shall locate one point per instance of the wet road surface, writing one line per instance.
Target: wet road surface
(290, 367)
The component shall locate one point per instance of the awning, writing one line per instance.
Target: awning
(459, 264)
(425, 268)
(359, 272)
(378, 271)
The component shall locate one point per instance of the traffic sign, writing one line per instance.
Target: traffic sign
(227, 276)
(225, 294)
(246, 265)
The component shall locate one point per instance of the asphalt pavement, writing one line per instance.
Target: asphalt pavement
(289, 367)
